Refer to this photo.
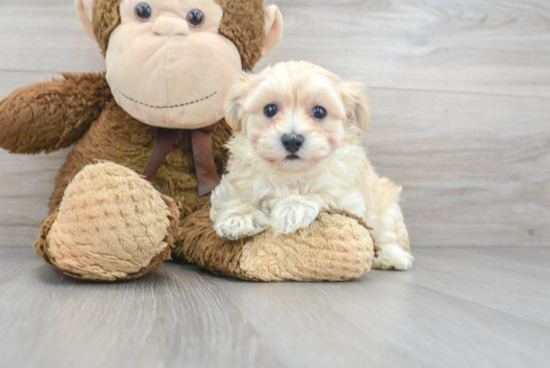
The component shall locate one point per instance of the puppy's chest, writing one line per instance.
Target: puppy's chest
(291, 187)
(323, 185)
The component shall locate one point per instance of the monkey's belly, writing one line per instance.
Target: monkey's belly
(117, 137)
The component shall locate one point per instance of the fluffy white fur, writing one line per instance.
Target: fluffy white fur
(264, 188)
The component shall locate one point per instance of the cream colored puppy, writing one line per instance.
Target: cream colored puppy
(296, 152)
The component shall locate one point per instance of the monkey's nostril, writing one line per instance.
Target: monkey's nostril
(293, 142)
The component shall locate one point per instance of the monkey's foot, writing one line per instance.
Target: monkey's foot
(335, 247)
(111, 225)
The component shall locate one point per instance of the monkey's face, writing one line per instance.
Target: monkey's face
(168, 66)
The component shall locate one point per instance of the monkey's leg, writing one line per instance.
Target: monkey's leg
(336, 247)
(111, 225)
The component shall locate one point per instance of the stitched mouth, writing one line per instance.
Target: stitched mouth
(168, 107)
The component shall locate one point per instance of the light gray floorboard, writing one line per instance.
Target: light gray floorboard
(475, 169)
(45, 35)
(459, 307)
(455, 45)
(508, 279)
(483, 46)
(459, 92)
(168, 319)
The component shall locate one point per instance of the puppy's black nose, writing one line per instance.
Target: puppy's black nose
(293, 142)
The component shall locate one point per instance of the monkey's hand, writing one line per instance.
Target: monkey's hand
(53, 115)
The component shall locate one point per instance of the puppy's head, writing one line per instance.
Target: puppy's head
(296, 114)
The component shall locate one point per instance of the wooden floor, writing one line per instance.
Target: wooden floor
(460, 93)
(459, 307)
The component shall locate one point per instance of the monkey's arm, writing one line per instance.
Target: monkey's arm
(52, 115)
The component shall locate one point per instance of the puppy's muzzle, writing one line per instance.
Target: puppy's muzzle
(293, 142)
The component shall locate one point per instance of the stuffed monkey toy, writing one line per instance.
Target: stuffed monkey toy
(148, 140)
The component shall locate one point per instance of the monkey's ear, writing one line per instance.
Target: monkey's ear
(356, 104)
(234, 102)
(273, 29)
(84, 9)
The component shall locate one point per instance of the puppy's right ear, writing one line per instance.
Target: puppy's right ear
(234, 102)
(84, 9)
(356, 104)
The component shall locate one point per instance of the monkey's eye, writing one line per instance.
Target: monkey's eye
(143, 12)
(195, 18)
(319, 113)
(271, 110)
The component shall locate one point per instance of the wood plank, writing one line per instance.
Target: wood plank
(488, 46)
(46, 36)
(509, 279)
(15, 261)
(466, 46)
(386, 320)
(26, 184)
(184, 317)
(474, 168)
(168, 319)
(11, 80)
(20, 219)
(20, 236)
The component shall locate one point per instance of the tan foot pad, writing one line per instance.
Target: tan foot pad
(112, 225)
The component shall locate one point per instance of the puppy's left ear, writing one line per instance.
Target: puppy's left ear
(356, 104)
(234, 102)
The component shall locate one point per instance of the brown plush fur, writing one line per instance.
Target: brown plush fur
(202, 246)
(106, 18)
(243, 23)
(117, 137)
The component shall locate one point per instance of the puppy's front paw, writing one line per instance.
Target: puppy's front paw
(235, 225)
(293, 213)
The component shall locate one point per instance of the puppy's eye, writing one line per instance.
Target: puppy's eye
(143, 12)
(319, 113)
(195, 18)
(271, 110)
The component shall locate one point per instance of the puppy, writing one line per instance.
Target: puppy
(296, 152)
